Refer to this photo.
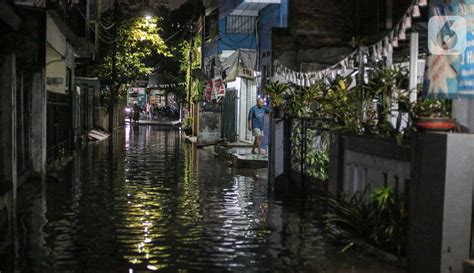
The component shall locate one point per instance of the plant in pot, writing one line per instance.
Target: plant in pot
(387, 88)
(187, 125)
(432, 115)
(303, 102)
(296, 105)
(339, 105)
(277, 92)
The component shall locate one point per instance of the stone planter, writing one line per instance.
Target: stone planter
(440, 124)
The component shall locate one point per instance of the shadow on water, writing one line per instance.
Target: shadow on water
(147, 201)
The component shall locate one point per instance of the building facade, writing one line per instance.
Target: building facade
(236, 50)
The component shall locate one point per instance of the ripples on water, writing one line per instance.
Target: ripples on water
(155, 203)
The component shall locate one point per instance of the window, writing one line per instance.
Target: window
(240, 25)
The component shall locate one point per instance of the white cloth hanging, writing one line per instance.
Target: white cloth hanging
(415, 12)
(402, 34)
(395, 42)
(407, 22)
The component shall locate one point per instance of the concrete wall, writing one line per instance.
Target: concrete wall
(55, 68)
(38, 123)
(59, 57)
(440, 203)
(8, 175)
(209, 127)
(357, 162)
(227, 6)
(320, 31)
(463, 112)
(55, 38)
(334, 18)
(269, 18)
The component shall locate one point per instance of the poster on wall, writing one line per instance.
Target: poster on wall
(219, 88)
(208, 91)
(450, 65)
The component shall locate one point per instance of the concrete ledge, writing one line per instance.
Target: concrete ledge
(191, 139)
(158, 122)
(468, 266)
(372, 145)
(249, 161)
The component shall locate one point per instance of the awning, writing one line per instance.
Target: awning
(242, 63)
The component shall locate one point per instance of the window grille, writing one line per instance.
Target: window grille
(240, 25)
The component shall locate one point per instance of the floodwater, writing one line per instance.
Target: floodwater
(151, 202)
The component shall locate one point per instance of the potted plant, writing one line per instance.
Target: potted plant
(432, 115)
(187, 125)
(276, 91)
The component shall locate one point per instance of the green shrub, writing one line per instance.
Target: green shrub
(379, 218)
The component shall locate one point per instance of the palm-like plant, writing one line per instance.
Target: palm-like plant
(276, 91)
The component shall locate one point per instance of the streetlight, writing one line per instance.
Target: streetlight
(148, 17)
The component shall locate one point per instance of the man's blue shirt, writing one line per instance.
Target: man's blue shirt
(257, 115)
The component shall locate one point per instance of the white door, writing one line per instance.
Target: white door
(251, 101)
(243, 110)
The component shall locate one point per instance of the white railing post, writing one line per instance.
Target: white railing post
(413, 66)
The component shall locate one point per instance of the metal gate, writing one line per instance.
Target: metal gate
(59, 135)
(228, 128)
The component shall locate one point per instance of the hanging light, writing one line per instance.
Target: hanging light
(415, 12)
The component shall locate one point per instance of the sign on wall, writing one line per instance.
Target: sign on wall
(218, 88)
(208, 91)
(450, 66)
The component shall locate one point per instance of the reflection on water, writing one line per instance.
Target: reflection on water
(151, 202)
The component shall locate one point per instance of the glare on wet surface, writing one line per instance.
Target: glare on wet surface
(154, 203)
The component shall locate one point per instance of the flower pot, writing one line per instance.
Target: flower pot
(435, 124)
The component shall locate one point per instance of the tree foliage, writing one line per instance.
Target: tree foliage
(190, 61)
(137, 39)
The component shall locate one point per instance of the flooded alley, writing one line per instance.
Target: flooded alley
(152, 202)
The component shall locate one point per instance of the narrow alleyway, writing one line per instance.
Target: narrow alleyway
(153, 202)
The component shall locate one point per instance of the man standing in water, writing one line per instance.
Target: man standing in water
(256, 120)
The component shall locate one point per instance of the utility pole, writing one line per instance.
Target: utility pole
(114, 87)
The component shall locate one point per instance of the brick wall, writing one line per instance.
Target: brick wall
(320, 31)
(321, 16)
